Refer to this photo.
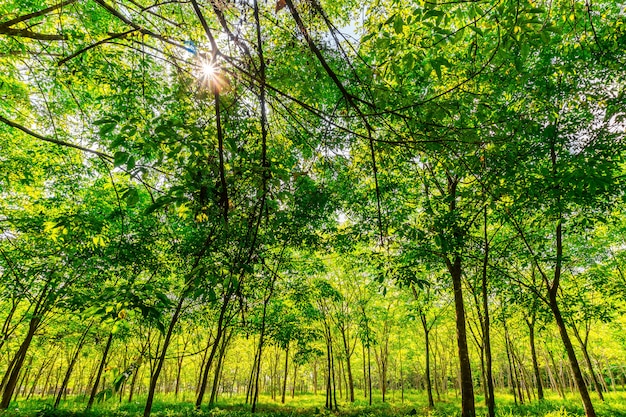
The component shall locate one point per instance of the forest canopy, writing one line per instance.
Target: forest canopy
(355, 200)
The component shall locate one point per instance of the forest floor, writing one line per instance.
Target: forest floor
(312, 406)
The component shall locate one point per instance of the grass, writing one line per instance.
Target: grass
(312, 406)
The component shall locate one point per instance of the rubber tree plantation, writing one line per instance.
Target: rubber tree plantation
(313, 207)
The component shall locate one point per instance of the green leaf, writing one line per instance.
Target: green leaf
(398, 24)
(107, 128)
(476, 29)
(130, 164)
(120, 158)
(131, 196)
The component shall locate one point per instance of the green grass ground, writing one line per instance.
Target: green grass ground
(310, 405)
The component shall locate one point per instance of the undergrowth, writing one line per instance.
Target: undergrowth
(414, 404)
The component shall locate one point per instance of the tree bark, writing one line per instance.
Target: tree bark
(533, 353)
(70, 367)
(282, 400)
(218, 368)
(216, 344)
(18, 361)
(346, 346)
(154, 376)
(583, 347)
(486, 324)
(571, 354)
(429, 388)
(96, 382)
(466, 384)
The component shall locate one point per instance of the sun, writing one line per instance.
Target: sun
(209, 70)
(209, 75)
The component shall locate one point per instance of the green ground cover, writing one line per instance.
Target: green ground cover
(310, 405)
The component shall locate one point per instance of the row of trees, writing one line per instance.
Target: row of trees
(326, 327)
(186, 175)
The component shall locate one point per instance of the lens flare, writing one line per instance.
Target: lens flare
(210, 76)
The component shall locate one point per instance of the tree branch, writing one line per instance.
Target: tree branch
(25, 33)
(54, 141)
(12, 22)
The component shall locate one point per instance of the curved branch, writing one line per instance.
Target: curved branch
(29, 16)
(100, 42)
(54, 141)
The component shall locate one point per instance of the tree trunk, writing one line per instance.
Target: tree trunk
(154, 376)
(429, 388)
(315, 377)
(329, 370)
(96, 382)
(533, 353)
(282, 400)
(6, 326)
(364, 371)
(346, 346)
(295, 375)
(251, 380)
(571, 354)
(466, 384)
(18, 361)
(218, 368)
(583, 347)
(20, 386)
(70, 367)
(39, 373)
(369, 372)
(486, 324)
(255, 396)
(508, 356)
(332, 370)
(553, 288)
(132, 384)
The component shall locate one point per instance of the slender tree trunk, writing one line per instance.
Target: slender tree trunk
(346, 346)
(6, 326)
(154, 376)
(282, 400)
(295, 375)
(21, 385)
(96, 382)
(369, 372)
(315, 377)
(70, 367)
(583, 347)
(611, 376)
(39, 373)
(486, 325)
(517, 373)
(214, 348)
(132, 383)
(571, 354)
(18, 361)
(507, 345)
(329, 371)
(533, 353)
(218, 368)
(364, 371)
(553, 288)
(48, 376)
(255, 397)
(429, 388)
(332, 369)
(251, 380)
(466, 383)
(558, 377)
